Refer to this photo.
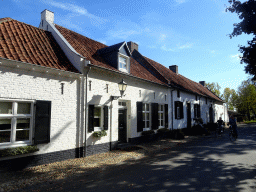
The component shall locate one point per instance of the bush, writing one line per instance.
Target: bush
(195, 130)
(18, 151)
(98, 134)
(150, 132)
(163, 130)
(176, 134)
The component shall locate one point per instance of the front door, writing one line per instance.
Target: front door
(188, 115)
(211, 114)
(122, 130)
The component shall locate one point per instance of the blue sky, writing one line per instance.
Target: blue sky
(192, 34)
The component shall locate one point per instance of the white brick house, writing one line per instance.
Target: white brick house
(77, 78)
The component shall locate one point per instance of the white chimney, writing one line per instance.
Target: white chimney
(48, 16)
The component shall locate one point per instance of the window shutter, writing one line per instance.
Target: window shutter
(90, 118)
(42, 122)
(166, 115)
(199, 111)
(195, 110)
(139, 117)
(105, 117)
(154, 115)
(181, 110)
(176, 106)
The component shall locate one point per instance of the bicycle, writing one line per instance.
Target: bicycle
(219, 131)
(232, 135)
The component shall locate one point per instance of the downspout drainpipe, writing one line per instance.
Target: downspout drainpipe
(86, 107)
(172, 106)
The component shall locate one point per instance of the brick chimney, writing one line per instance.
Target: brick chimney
(202, 83)
(174, 68)
(133, 46)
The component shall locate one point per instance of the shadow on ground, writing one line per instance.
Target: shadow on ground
(203, 165)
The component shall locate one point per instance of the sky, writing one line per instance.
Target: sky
(192, 34)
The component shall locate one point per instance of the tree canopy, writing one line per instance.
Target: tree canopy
(214, 87)
(247, 13)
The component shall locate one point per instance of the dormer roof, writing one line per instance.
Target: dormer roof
(115, 48)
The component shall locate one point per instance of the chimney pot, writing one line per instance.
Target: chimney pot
(174, 68)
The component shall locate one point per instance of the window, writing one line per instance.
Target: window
(178, 93)
(146, 115)
(197, 111)
(179, 110)
(98, 118)
(16, 121)
(123, 63)
(160, 116)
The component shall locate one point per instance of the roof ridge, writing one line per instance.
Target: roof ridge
(5, 19)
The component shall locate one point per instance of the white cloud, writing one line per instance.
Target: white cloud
(212, 51)
(185, 46)
(122, 33)
(235, 58)
(164, 48)
(77, 10)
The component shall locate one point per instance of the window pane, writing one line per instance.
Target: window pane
(144, 116)
(22, 135)
(96, 122)
(147, 116)
(23, 123)
(5, 108)
(5, 136)
(97, 112)
(162, 122)
(162, 108)
(143, 107)
(24, 108)
(5, 124)
(147, 124)
(147, 107)
(162, 116)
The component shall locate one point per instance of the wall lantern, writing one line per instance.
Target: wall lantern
(122, 87)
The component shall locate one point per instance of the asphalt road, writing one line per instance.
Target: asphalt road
(208, 164)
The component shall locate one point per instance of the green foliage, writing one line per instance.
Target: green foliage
(249, 122)
(230, 97)
(246, 13)
(18, 151)
(150, 132)
(163, 130)
(214, 87)
(246, 103)
(176, 134)
(98, 134)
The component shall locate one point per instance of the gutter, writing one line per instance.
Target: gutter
(86, 107)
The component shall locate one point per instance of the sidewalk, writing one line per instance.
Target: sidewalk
(14, 180)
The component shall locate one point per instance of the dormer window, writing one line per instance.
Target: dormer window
(123, 63)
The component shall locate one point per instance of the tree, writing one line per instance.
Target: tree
(247, 99)
(247, 13)
(230, 97)
(214, 87)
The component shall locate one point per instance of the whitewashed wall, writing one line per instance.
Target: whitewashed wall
(17, 83)
(98, 95)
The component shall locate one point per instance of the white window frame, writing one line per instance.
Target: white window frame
(120, 55)
(159, 116)
(100, 128)
(146, 112)
(14, 117)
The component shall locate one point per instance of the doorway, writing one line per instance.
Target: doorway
(188, 115)
(122, 125)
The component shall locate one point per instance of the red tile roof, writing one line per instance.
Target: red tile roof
(26, 43)
(88, 48)
(181, 82)
(141, 66)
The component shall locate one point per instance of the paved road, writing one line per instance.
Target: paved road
(209, 164)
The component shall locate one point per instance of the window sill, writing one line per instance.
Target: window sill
(146, 129)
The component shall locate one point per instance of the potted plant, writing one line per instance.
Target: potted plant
(99, 134)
